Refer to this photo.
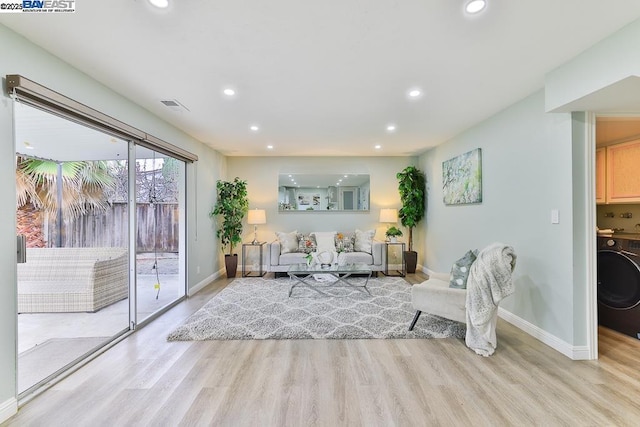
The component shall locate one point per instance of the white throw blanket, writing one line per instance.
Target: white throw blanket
(489, 282)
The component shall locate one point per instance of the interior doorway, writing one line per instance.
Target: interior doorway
(617, 219)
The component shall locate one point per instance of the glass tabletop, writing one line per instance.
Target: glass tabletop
(355, 268)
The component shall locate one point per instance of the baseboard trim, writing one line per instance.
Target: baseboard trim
(8, 409)
(202, 284)
(572, 352)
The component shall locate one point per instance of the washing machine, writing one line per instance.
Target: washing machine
(619, 284)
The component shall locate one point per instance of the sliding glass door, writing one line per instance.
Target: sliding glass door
(103, 220)
(73, 290)
(160, 273)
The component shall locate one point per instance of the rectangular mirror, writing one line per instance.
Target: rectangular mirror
(323, 192)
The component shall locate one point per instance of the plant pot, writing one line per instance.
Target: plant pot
(411, 259)
(393, 239)
(231, 264)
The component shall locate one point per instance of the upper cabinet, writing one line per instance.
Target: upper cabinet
(601, 170)
(622, 172)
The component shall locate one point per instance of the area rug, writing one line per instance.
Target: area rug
(255, 308)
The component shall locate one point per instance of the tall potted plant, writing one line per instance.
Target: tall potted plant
(413, 189)
(232, 204)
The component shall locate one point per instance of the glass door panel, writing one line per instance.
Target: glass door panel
(160, 272)
(72, 207)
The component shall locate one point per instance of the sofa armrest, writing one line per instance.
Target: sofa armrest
(440, 276)
(274, 253)
(377, 251)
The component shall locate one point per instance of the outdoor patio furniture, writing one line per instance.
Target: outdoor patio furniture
(72, 279)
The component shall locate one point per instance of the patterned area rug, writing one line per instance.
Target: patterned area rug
(253, 308)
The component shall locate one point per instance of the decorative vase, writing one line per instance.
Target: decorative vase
(325, 258)
(393, 239)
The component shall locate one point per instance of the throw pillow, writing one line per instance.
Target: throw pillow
(306, 243)
(325, 240)
(460, 271)
(288, 241)
(344, 242)
(363, 241)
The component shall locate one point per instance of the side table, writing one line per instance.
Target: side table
(255, 247)
(392, 248)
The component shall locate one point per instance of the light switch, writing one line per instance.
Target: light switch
(555, 216)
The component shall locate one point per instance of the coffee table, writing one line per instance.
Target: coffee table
(302, 274)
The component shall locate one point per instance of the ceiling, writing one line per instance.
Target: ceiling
(323, 78)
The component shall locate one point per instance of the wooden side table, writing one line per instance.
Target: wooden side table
(394, 246)
(248, 247)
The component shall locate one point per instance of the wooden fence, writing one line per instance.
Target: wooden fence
(157, 228)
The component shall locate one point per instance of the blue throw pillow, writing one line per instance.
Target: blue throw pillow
(460, 271)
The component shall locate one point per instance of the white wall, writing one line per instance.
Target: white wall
(609, 61)
(21, 57)
(526, 172)
(261, 174)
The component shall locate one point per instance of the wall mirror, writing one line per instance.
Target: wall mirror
(323, 192)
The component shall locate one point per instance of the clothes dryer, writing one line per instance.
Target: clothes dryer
(619, 285)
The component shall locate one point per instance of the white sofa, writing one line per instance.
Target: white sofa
(279, 263)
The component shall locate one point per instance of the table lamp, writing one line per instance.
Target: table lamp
(389, 216)
(255, 217)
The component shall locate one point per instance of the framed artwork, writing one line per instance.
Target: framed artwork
(462, 178)
(304, 199)
(308, 199)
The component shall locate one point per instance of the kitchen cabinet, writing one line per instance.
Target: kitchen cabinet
(622, 174)
(601, 176)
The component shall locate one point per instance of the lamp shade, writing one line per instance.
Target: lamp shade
(388, 215)
(257, 216)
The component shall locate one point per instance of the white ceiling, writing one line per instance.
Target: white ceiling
(323, 78)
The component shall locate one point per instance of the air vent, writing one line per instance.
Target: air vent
(174, 105)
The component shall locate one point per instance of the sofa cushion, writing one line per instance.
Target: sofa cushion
(363, 240)
(354, 257)
(288, 241)
(293, 258)
(460, 271)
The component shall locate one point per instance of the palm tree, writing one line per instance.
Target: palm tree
(64, 190)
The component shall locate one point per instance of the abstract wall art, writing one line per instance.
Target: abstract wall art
(462, 178)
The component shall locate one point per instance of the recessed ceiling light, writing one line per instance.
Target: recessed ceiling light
(160, 3)
(377, 147)
(475, 6)
(414, 93)
(270, 147)
(254, 128)
(391, 127)
(229, 92)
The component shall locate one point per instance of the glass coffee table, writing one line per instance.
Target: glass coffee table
(302, 275)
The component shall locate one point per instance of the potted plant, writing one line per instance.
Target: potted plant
(393, 233)
(412, 188)
(232, 204)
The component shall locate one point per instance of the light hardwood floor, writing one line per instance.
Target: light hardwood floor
(145, 380)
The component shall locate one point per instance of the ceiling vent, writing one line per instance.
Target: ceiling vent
(174, 105)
